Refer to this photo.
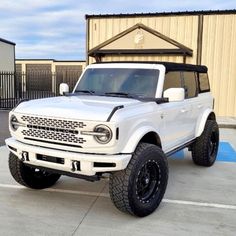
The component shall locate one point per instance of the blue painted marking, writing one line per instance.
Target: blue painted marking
(178, 155)
(226, 153)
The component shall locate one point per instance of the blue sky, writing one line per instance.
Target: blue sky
(56, 28)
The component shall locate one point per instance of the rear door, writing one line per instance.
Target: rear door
(174, 115)
(192, 104)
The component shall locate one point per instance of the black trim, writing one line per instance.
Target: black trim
(204, 91)
(104, 164)
(180, 13)
(117, 133)
(57, 160)
(140, 51)
(156, 100)
(61, 172)
(170, 66)
(6, 41)
(12, 148)
(179, 148)
(113, 111)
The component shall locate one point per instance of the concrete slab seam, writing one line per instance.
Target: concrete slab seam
(90, 208)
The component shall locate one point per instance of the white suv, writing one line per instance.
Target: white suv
(123, 119)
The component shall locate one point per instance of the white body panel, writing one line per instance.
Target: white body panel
(42, 122)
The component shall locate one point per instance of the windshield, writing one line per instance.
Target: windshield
(140, 82)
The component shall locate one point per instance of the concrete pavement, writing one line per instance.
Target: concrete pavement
(198, 201)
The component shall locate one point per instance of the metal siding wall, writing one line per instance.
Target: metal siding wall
(183, 29)
(218, 47)
(219, 54)
(7, 57)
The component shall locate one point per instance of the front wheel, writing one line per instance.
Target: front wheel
(139, 188)
(205, 148)
(29, 176)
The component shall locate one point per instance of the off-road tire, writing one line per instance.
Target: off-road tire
(126, 186)
(30, 177)
(205, 148)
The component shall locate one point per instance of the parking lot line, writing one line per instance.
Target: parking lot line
(97, 194)
(201, 204)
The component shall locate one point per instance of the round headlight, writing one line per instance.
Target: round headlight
(14, 123)
(103, 134)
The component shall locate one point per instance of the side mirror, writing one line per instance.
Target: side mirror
(63, 88)
(174, 94)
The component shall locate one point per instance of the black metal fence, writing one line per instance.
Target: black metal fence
(32, 85)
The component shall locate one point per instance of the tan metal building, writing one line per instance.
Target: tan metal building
(200, 37)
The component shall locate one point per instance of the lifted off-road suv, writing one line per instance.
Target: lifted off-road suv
(122, 119)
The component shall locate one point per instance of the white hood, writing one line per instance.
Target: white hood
(83, 107)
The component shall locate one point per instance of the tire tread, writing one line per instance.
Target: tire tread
(200, 149)
(119, 181)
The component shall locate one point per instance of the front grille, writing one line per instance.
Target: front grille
(49, 122)
(56, 130)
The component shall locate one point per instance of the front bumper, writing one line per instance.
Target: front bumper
(89, 164)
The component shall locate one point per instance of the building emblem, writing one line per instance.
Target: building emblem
(139, 39)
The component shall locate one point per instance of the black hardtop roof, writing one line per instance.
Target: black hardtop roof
(170, 66)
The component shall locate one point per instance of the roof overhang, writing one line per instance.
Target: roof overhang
(6, 41)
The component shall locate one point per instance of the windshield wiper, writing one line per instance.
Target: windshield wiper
(85, 91)
(120, 94)
(140, 98)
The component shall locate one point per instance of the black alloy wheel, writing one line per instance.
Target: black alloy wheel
(148, 181)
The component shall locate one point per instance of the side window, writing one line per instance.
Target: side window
(172, 80)
(190, 84)
(204, 85)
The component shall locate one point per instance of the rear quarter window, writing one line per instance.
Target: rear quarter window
(204, 85)
(190, 84)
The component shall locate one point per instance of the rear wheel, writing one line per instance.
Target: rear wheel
(29, 176)
(140, 188)
(205, 148)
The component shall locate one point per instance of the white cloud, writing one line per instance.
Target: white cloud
(56, 28)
